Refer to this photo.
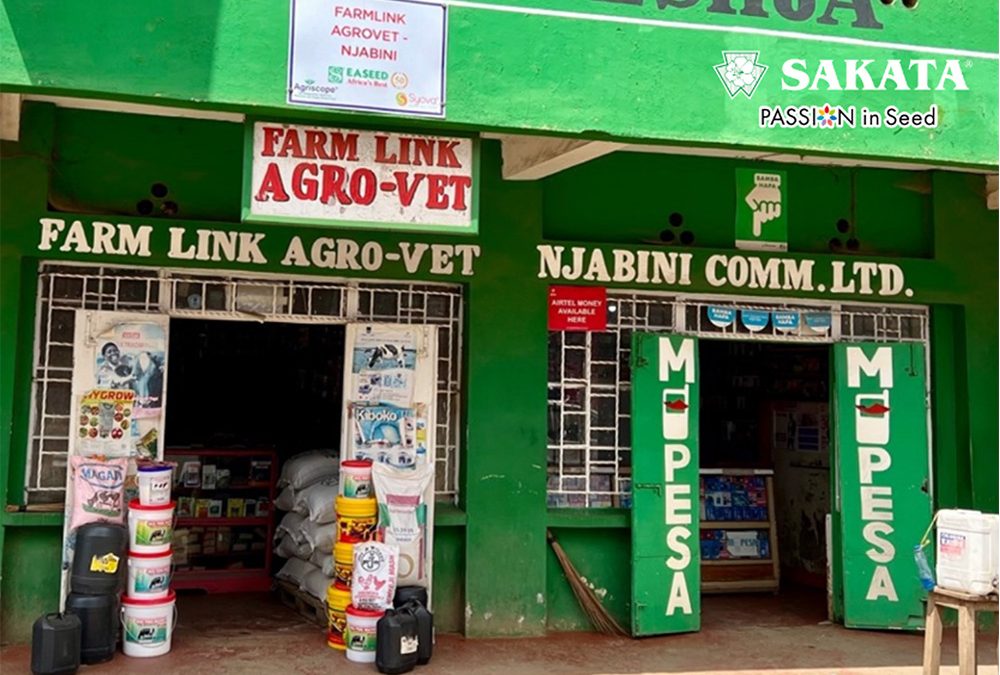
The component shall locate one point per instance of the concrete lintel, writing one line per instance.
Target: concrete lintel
(534, 157)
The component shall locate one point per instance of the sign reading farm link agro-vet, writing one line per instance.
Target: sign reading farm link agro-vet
(346, 177)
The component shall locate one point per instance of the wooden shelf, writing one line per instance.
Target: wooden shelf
(738, 561)
(735, 524)
(192, 521)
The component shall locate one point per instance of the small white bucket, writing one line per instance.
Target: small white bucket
(150, 527)
(359, 636)
(149, 575)
(148, 625)
(155, 483)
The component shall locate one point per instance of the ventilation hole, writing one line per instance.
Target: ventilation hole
(910, 4)
(667, 236)
(169, 208)
(144, 207)
(836, 244)
(687, 238)
(853, 244)
(676, 219)
(159, 190)
(887, 2)
(843, 226)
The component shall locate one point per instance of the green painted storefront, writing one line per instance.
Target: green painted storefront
(494, 572)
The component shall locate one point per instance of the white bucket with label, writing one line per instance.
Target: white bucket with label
(150, 528)
(149, 575)
(155, 482)
(148, 625)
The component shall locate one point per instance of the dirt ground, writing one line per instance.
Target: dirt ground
(740, 635)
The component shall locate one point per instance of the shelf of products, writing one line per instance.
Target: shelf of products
(739, 544)
(224, 524)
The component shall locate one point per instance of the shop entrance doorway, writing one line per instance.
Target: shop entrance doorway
(687, 416)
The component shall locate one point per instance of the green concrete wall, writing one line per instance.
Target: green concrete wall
(639, 70)
(494, 574)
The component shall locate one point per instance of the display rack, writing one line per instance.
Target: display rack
(219, 546)
(730, 572)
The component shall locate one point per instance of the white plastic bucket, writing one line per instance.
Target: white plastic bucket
(967, 551)
(356, 478)
(148, 625)
(150, 528)
(149, 575)
(359, 637)
(155, 483)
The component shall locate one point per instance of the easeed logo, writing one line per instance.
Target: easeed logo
(740, 71)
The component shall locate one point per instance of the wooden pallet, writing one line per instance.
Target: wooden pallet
(311, 609)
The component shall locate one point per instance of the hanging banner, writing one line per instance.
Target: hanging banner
(761, 213)
(383, 56)
(721, 317)
(754, 320)
(578, 308)
(355, 178)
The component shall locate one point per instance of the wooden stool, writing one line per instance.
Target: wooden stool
(967, 606)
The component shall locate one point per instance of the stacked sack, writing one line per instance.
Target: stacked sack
(306, 533)
(148, 615)
(356, 509)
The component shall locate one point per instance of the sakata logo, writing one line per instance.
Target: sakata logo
(740, 72)
(335, 74)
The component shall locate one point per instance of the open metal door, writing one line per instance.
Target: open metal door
(666, 574)
(883, 485)
(390, 374)
(118, 402)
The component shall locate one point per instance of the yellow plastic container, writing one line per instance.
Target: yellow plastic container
(356, 518)
(337, 599)
(343, 560)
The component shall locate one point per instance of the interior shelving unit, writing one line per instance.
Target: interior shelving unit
(736, 571)
(223, 551)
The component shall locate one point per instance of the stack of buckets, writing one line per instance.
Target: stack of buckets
(356, 520)
(148, 611)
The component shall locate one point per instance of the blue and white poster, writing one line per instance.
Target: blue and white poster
(754, 320)
(786, 321)
(721, 317)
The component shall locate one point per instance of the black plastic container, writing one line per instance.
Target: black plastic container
(55, 644)
(99, 559)
(425, 631)
(396, 641)
(98, 625)
(406, 593)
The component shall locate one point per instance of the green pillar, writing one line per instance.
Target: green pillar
(505, 461)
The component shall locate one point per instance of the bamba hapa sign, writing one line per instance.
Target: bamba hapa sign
(356, 178)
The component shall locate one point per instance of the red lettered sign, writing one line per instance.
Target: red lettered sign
(578, 308)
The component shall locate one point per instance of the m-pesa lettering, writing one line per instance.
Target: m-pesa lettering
(873, 441)
(338, 175)
(680, 469)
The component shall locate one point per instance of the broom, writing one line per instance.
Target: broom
(592, 607)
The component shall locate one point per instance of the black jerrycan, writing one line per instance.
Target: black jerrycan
(55, 644)
(425, 631)
(99, 560)
(396, 641)
(99, 625)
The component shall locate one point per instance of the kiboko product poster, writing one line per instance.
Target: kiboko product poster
(388, 434)
(383, 366)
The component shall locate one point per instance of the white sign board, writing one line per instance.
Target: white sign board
(372, 55)
(349, 177)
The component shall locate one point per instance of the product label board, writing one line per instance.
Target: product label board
(383, 56)
(350, 177)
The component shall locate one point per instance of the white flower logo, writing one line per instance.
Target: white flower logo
(740, 72)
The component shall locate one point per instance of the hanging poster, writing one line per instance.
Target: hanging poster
(721, 317)
(383, 56)
(383, 366)
(819, 322)
(761, 211)
(786, 321)
(105, 423)
(754, 320)
(133, 357)
(388, 434)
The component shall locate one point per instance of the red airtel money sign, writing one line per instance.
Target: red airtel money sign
(578, 308)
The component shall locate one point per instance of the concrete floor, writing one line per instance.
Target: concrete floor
(740, 635)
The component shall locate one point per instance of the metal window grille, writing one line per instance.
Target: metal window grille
(589, 378)
(65, 288)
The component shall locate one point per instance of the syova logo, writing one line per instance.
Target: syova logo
(867, 75)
